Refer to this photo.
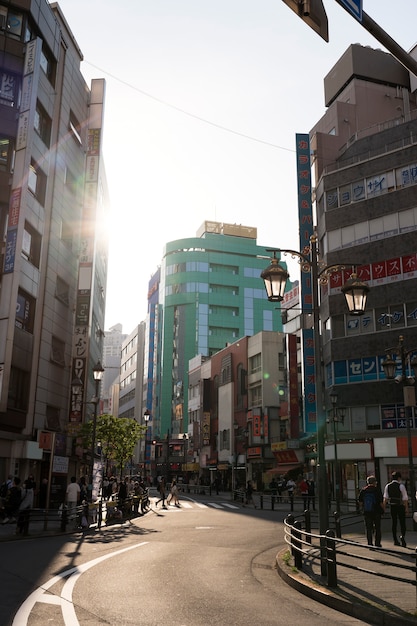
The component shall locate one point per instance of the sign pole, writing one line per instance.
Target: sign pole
(48, 491)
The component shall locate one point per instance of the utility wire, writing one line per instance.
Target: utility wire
(184, 112)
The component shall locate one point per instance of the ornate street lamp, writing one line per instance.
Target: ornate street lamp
(185, 451)
(390, 367)
(98, 373)
(355, 292)
(146, 417)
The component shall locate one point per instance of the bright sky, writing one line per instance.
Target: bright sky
(203, 101)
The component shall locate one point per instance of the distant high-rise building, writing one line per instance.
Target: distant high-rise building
(209, 294)
(53, 197)
(113, 341)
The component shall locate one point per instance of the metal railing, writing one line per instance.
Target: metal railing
(334, 553)
(89, 513)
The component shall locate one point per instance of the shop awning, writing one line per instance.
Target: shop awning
(284, 468)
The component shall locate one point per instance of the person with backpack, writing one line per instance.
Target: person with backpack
(13, 500)
(370, 497)
(396, 495)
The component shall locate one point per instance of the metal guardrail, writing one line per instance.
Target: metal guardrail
(334, 553)
(88, 513)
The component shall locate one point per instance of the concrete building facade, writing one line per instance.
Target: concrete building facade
(365, 160)
(53, 270)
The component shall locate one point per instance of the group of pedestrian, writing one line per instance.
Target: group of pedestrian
(374, 504)
(173, 496)
(16, 502)
(288, 488)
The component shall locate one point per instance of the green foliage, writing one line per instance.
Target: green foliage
(117, 436)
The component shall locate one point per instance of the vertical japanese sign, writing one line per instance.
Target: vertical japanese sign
(25, 124)
(306, 229)
(81, 335)
(294, 404)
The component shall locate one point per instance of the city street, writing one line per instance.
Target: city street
(210, 561)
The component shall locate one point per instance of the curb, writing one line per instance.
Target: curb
(354, 607)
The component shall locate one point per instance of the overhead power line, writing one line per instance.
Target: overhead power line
(187, 113)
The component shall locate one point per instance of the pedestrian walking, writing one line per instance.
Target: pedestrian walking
(311, 494)
(370, 497)
(173, 494)
(83, 490)
(249, 494)
(122, 492)
(26, 504)
(303, 488)
(162, 492)
(290, 490)
(396, 495)
(13, 500)
(105, 488)
(273, 485)
(73, 496)
(282, 486)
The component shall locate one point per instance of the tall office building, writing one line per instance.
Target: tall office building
(365, 151)
(210, 294)
(53, 269)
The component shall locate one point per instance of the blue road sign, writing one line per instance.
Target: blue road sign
(353, 6)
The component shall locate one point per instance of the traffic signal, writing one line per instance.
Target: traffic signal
(313, 13)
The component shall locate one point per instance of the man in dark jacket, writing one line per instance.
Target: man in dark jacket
(396, 495)
(371, 500)
(13, 500)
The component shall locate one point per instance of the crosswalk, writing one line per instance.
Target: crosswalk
(184, 505)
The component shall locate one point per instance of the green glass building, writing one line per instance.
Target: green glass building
(210, 294)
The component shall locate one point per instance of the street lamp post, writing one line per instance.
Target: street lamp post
(185, 450)
(338, 415)
(98, 372)
(146, 416)
(409, 394)
(355, 291)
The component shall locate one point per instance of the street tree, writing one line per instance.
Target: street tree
(117, 436)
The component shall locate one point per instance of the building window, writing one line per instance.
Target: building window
(48, 64)
(6, 154)
(31, 245)
(373, 418)
(11, 22)
(62, 290)
(18, 389)
(66, 233)
(71, 181)
(255, 363)
(25, 311)
(58, 351)
(241, 385)
(52, 418)
(37, 182)
(9, 88)
(255, 396)
(225, 439)
(43, 124)
(75, 128)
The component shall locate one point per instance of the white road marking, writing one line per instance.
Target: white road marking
(203, 527)
(65, 600)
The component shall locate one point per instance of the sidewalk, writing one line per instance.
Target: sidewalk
(53, 527)
(371, 598)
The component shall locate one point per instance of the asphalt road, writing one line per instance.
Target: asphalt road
(206, 563)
